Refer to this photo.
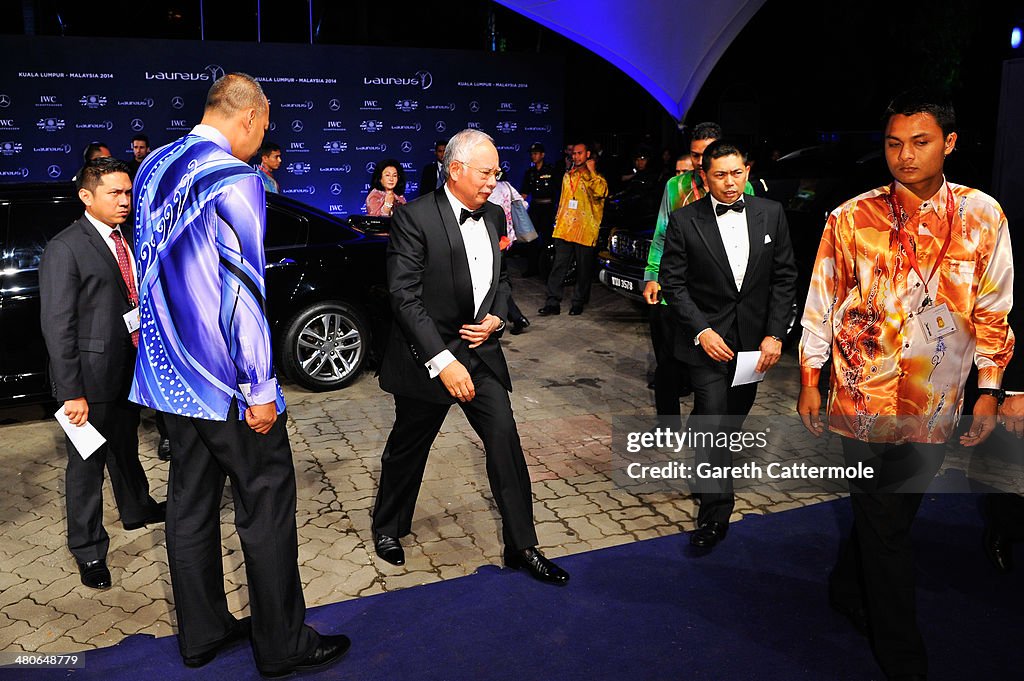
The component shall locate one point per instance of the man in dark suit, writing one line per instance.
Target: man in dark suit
(432, 175)
(89, 312)
(729, 278)
(450, 297)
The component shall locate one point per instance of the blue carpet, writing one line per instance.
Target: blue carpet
(754, 609)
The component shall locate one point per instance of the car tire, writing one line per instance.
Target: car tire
(325, 346)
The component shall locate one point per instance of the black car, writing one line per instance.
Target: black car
(326, 290)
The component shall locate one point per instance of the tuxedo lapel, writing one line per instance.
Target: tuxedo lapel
(103, 253)
(491, 221)
(756, 232)
(707, 229)
(463, 282)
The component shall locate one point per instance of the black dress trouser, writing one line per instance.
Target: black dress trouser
(263, 488)
(875, 569)
(417, 423)
(118, 422)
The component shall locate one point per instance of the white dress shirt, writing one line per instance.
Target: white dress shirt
(481, 272)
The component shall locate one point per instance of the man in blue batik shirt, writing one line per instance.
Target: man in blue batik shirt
(205, 362)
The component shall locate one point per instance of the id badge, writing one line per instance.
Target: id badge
(937, 322)
(573, 203)
(131, 320)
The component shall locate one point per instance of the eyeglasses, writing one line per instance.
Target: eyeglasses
(498, 173)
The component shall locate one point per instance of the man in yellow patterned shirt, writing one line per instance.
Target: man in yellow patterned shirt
(912, 281)
(580, 210)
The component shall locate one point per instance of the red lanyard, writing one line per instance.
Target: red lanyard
(573, 185)
(901, 230)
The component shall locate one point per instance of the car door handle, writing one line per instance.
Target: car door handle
(283, 262)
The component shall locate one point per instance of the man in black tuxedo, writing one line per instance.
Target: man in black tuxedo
(432, 175)
(89, 303)
(729, 278)
(450, 297)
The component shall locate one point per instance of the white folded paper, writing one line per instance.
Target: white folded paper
(746, 363)
(85, 438)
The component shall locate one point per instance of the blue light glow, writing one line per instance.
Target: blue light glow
(1015, 37)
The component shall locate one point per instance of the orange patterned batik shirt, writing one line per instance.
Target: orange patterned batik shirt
(893, 380)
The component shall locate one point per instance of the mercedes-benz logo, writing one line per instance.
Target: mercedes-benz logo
(296, 126)
(371, 166)
(440, 126)
(5, 101)
(177, 102)
(505, 166)
(53, 171)
(407, 147)
(335, 188)
(137, 124)
(334, 105)
(474, 106)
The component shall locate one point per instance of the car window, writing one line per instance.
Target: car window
(32, 224)
(284, 229)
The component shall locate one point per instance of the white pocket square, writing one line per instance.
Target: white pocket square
(767, 238)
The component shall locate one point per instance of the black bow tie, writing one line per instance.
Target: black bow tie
(721, 209)
(474, 214)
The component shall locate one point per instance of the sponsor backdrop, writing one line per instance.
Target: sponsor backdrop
(335, 111)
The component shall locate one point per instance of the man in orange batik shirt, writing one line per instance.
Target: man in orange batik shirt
(912, 281)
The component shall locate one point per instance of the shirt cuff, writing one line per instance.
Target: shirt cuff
(1014, 393)
(260, 393)
(438, 362)
(990, 377)
(696, 339)
(809, 377)
(650, 276)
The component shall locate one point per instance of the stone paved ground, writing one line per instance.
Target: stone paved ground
(572, 376)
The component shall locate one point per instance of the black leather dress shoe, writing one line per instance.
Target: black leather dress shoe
(389, 549)
(998, 548)
(576, 309)
(537, 565)
(95, 574)
(519, 325)
(854, 612)
(549, 310)
(329, 651)
(240, 632)
(708, 534)
(163, 450)
(156, 516)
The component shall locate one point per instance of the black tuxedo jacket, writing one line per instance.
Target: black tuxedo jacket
(699, 287)
(432, 296)
(428, 179)
(83, 298)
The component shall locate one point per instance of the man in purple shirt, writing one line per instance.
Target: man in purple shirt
(205, 362)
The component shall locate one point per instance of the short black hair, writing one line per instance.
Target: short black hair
(378, 172)
(921, 100)
(140, 137)
(92, 171)
(718, 149)
(440, 143)
(91, 149)
(267, 148)
(587, 145)
(706, 131)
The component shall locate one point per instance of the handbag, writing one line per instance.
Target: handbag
(522, 223)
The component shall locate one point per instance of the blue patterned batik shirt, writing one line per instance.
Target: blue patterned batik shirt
(205, 339)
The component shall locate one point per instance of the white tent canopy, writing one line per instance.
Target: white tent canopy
(667, 46)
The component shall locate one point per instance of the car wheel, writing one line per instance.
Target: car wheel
(325, 346)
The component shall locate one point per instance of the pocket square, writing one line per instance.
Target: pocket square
(767, 238)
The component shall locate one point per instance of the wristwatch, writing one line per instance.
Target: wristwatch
(501, 326)
(997, 393)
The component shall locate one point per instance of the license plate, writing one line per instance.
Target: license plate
(624, 284)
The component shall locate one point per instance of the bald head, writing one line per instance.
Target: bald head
(234, 93)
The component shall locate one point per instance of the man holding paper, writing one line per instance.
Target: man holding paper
(729, 279)
(90, 320)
